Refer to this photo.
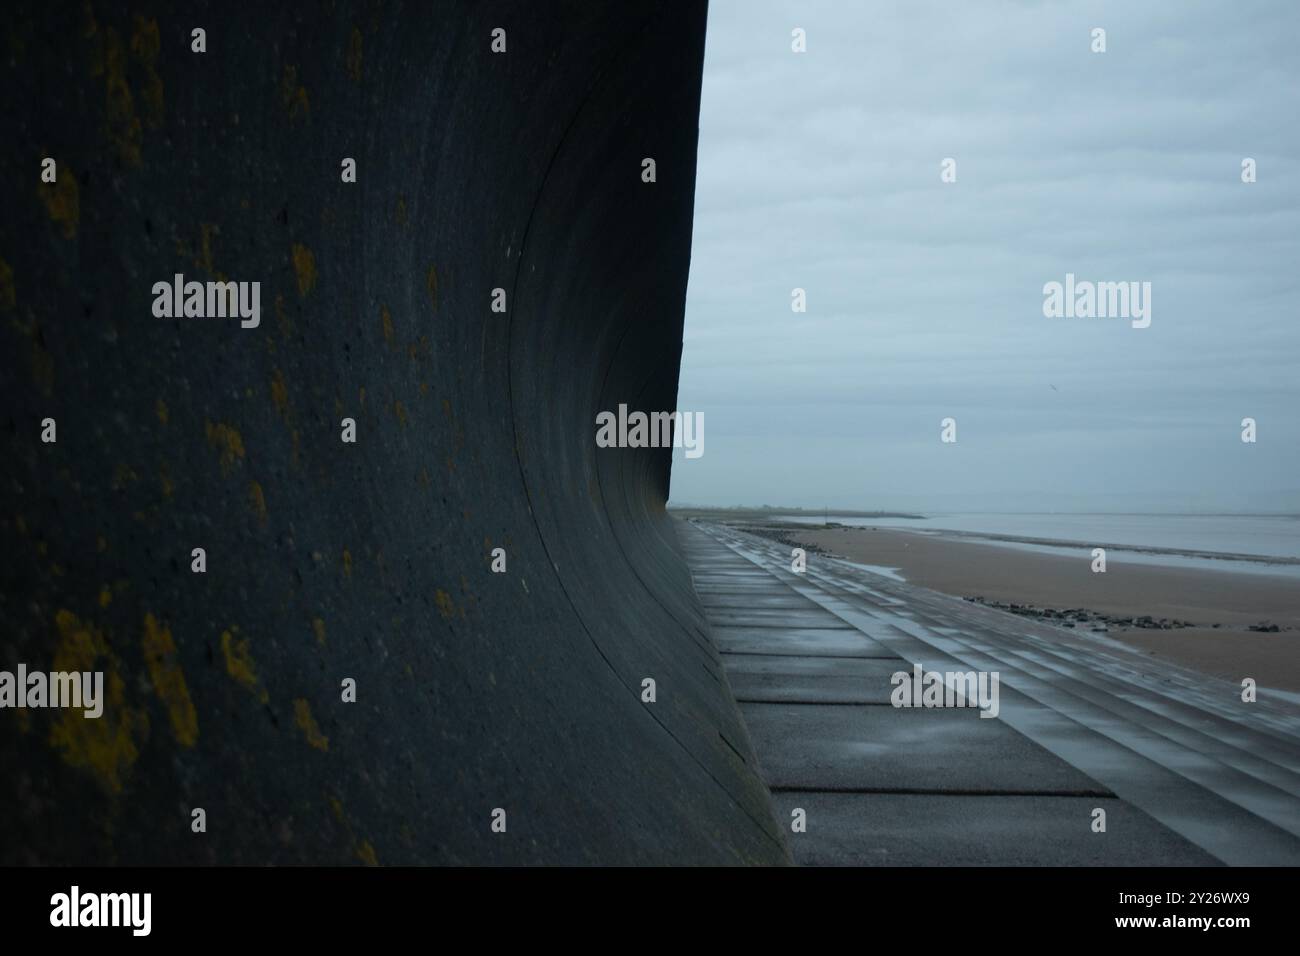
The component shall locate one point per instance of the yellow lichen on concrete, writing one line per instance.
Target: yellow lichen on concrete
(307, 724)
(362, 848)
(8, 296)
(304, 268)
(107, 745)
(318, 628)
(123, 475)
(366, 853)
(228, 442)
(203, 259)
(420, 351)
(258, 501)
(90, 32)
(431, 281)
(336, 806)
(353, 61)
(169, 681)
(62, 200)
(280, 394)
(446, 607)
(145, 45)
(294, 96)
(122, 124)
(239, 663)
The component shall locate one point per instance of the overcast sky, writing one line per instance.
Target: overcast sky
(821, 170)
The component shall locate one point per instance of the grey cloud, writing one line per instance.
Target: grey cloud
(821, 171)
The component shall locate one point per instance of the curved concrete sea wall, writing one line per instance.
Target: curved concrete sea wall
(326, 561)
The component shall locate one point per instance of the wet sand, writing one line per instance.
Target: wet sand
(1202, 597)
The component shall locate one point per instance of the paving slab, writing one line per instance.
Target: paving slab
(809, 641)
(777, 617)
(875, 829)
(812, 680)
(888, 748)
(757, 600)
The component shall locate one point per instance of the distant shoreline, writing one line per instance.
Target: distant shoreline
(1057, 543)
(851, 513)
(693, 511)
(1221, 622)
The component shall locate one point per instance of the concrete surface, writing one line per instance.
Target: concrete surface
(882, 747)
(1186, 773)
(919, 829)
(475, 430)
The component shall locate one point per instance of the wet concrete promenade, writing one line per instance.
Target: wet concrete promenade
(1185, 771)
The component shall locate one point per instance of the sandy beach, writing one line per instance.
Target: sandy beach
(1202, 598)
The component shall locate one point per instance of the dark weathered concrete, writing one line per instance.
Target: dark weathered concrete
(870, 748)
(475, 430)
(772, 617)
(925, 829)
(821, 680)
(813, 642)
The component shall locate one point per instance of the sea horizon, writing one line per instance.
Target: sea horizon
(1244, 542)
